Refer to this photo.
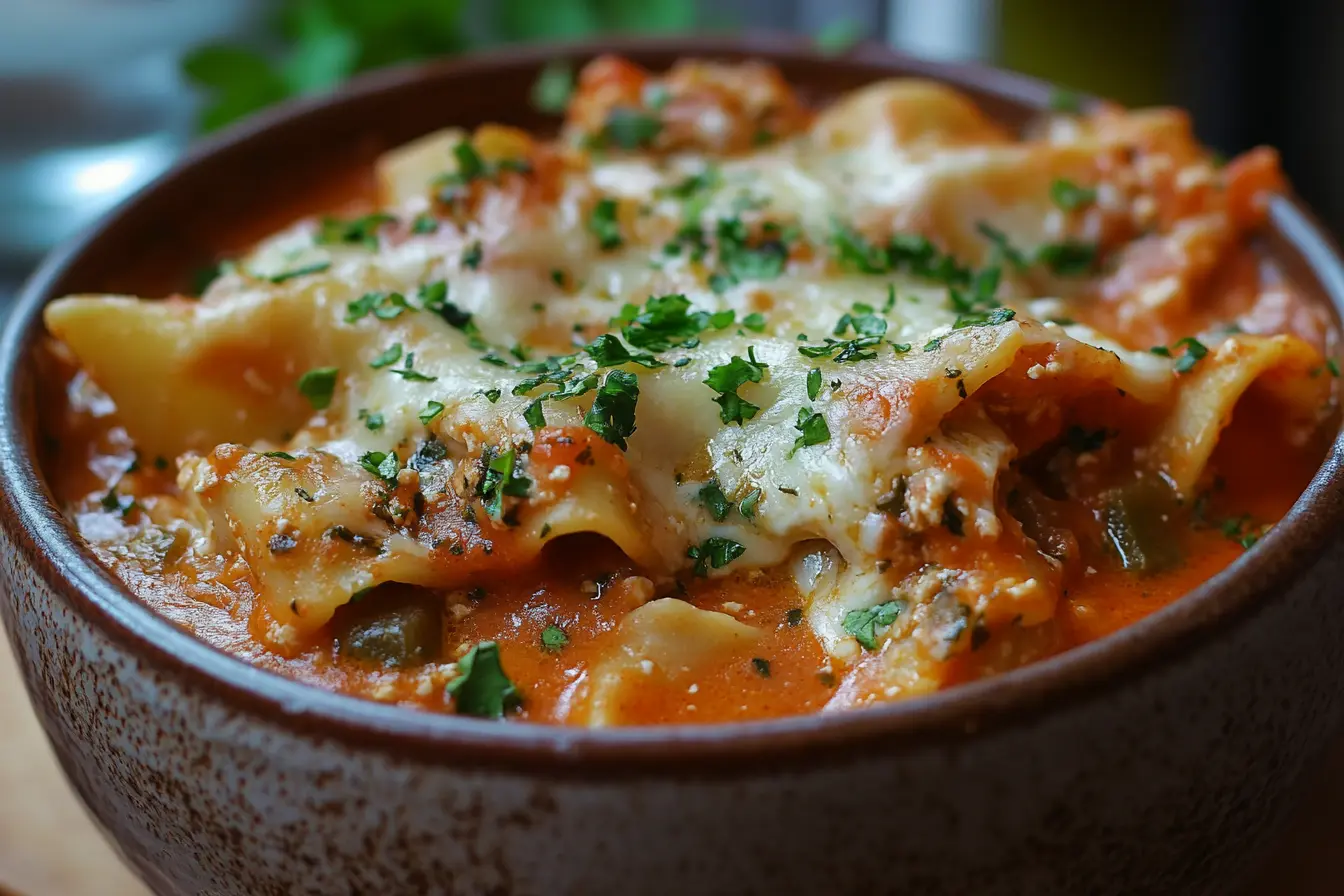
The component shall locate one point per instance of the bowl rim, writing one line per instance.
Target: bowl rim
(1141, 650)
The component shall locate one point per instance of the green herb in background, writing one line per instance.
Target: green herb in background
(324, 42)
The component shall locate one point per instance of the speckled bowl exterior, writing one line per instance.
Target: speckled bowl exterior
(1153, 761)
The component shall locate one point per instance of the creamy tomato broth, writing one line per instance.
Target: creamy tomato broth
(715, 407)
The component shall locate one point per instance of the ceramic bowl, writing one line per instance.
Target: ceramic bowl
(1154, 760)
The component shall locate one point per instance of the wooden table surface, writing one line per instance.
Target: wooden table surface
(49, 847)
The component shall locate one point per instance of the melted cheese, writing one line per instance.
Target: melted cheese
(920, 432)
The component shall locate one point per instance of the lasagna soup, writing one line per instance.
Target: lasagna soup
(713, 407)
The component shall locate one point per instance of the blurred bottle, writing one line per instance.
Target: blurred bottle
(92, 106)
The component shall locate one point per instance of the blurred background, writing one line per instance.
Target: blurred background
(98, 96)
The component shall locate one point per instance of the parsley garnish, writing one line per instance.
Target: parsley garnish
(279, 455)
(607, 351)
(383, 464)
(666, 321)
(408, 372)
(813, 383)
(903, 251)
(1069, 196)
(726, 379)
(793, 617)
(743, 261)
(715, 500)
(432, 410)
(863, 624)
(629, 128)
(318, 385)
(1194, 353)
(424, 223)
(388, 357)
(747, 506)
(612, 415)
(1069, 258)
(316, 267)
(373, 421)
(714, 553)
(471, 167)
(482, 688)
(553, 638)
(813, 427)
(471, 258)
(361, 230)
(762, 666)
(844, 351)
(535, 415)
(382, 305)
(755, 322)
(604, 223)
(502, 479)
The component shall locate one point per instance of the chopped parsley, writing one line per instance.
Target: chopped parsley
(432, 410)
(1195, 351)
(607, 351)
(667, 321)
(903, 252)
(316, 267)
(388, 357)
(793, 617)
(813, 383)
(278, 455)
(628, 128)
(383, 464)
(318, 385)
(755, 322)
(714, 553)
(843, 351)
(502, 479)
(604, 223)
(553, 638)
(863, 624)
(1070, 258)
(612, 415)
(471, 258)
(726, 379)
(382, 305)
(762, 666)
(747, 506)
(355, 231)
(471, 167)
(373, 421)
(741, 260)
(1333, 366)
(408, 372)
(812, 426)
(535, 415)
(482, 688)
(1069, 196)
(1243, 530)
(424, 223)
(715, 500)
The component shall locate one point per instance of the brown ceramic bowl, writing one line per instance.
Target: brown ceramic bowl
(1155, 760)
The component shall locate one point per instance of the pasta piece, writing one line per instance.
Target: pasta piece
(666, 641)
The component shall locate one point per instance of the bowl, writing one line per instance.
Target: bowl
(1154, 760)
